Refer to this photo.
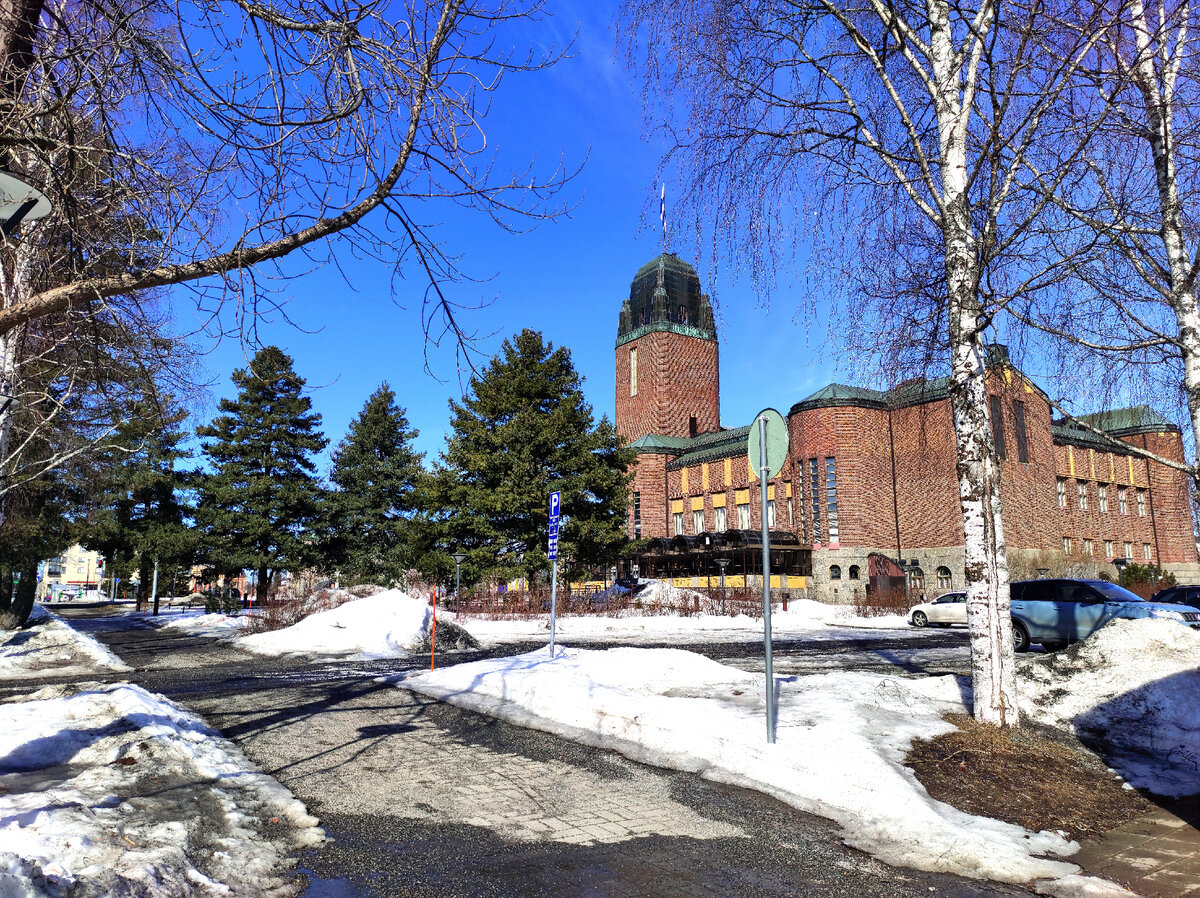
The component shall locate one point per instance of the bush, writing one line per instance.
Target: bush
(1145, 579)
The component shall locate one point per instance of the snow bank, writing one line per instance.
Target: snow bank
(111, 790)
(1130, 690)
(48, 647)
(841, 741)
(390, 624)
(199, 624)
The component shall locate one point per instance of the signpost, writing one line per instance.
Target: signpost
(768, 446)
(555, 500)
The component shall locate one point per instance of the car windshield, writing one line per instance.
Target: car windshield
(1114, 593)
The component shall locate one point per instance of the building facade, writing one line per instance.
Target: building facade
(75, 574)
(869, 487)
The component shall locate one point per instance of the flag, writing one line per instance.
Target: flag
(662, 210)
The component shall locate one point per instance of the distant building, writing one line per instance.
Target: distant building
(869, 490)
(70, 575)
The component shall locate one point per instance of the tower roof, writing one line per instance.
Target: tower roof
(665, 296)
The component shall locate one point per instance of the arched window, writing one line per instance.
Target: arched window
(944, 579)
(854, 572)
(835, 572)
(916, 577)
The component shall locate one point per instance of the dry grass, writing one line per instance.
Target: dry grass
(1030, 777)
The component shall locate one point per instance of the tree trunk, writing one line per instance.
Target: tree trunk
(16, 601)
(993, 674)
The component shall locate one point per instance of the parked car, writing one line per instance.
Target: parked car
(944, 611)
(1178, 595)
(1054, 613)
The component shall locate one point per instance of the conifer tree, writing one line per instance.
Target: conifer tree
(262, 496)
(138, 516)
(525, 429)
(377, 474)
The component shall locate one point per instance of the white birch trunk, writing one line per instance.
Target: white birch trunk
(1158, 88)
(988, 618)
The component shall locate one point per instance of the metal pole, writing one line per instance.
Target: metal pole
(457, 579)
(553, 603)
(763, 470)
(154, 588)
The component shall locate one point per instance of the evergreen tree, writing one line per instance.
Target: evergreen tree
(377, 473)
(523, 430)
(139, 516)
(259, 502)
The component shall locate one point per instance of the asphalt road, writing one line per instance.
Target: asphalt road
(423, 799)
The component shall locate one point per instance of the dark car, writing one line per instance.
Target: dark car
(1056, 612)
(1179, 595)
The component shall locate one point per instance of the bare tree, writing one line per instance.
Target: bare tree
(927, 107)
(216, 139)
(1129, 209)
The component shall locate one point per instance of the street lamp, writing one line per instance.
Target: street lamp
(1119, 564)
(721, 564)
(1042, 572)
(459, 558)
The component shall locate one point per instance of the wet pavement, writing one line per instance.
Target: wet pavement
(424, 799)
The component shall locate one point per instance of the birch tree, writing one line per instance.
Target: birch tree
(930, 107)
(1133, 200)
(216, 139)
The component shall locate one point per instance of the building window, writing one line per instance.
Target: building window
(1129, 550)
(1123, 500)
(1066, 545)
(698, 520)
(637, 515)
(693, 428)
(944, 579)
(719, 514)
(916, 578)
(677, 520)
(744, 516)
(1062, 493)
(633, 371)
(997, 417)
(1148, 551)
(1103, 488)
(1081, 488)
(770, 513)
(1088, 548)
(1141, 501)
(1019, 424)
(683, 314)
(831, 491)
(815, 494)
(1108, 548)
(854, 572)
(835, 572)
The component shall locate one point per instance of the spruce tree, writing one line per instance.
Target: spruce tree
(377, 474)
(138, 518)
(523, 430)
(258, 505)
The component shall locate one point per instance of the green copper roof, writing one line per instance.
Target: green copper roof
(665, 296)
(913, 392)
(1085, 439)
(712, 447)
(655, 444)
(1126, 421)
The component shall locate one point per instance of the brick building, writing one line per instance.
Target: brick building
(869, 488)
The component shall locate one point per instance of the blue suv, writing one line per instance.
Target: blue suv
(1056, 612)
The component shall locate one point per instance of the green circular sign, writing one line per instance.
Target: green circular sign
(776, 442)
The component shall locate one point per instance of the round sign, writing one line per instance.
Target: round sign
(776, 442)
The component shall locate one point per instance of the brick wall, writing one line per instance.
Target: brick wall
(678, 378)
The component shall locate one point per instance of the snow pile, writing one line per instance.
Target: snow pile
(390, 624)
(1130, 691)
(108, 790)
(804, 618)
(841, 741)
(197, 624)
(48, 647)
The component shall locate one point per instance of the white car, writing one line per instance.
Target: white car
(943, 611)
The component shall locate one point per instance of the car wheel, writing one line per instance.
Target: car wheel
(1054, 646)
(919, 619)
(1020, 637)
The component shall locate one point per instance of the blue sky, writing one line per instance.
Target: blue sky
(566, 278)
